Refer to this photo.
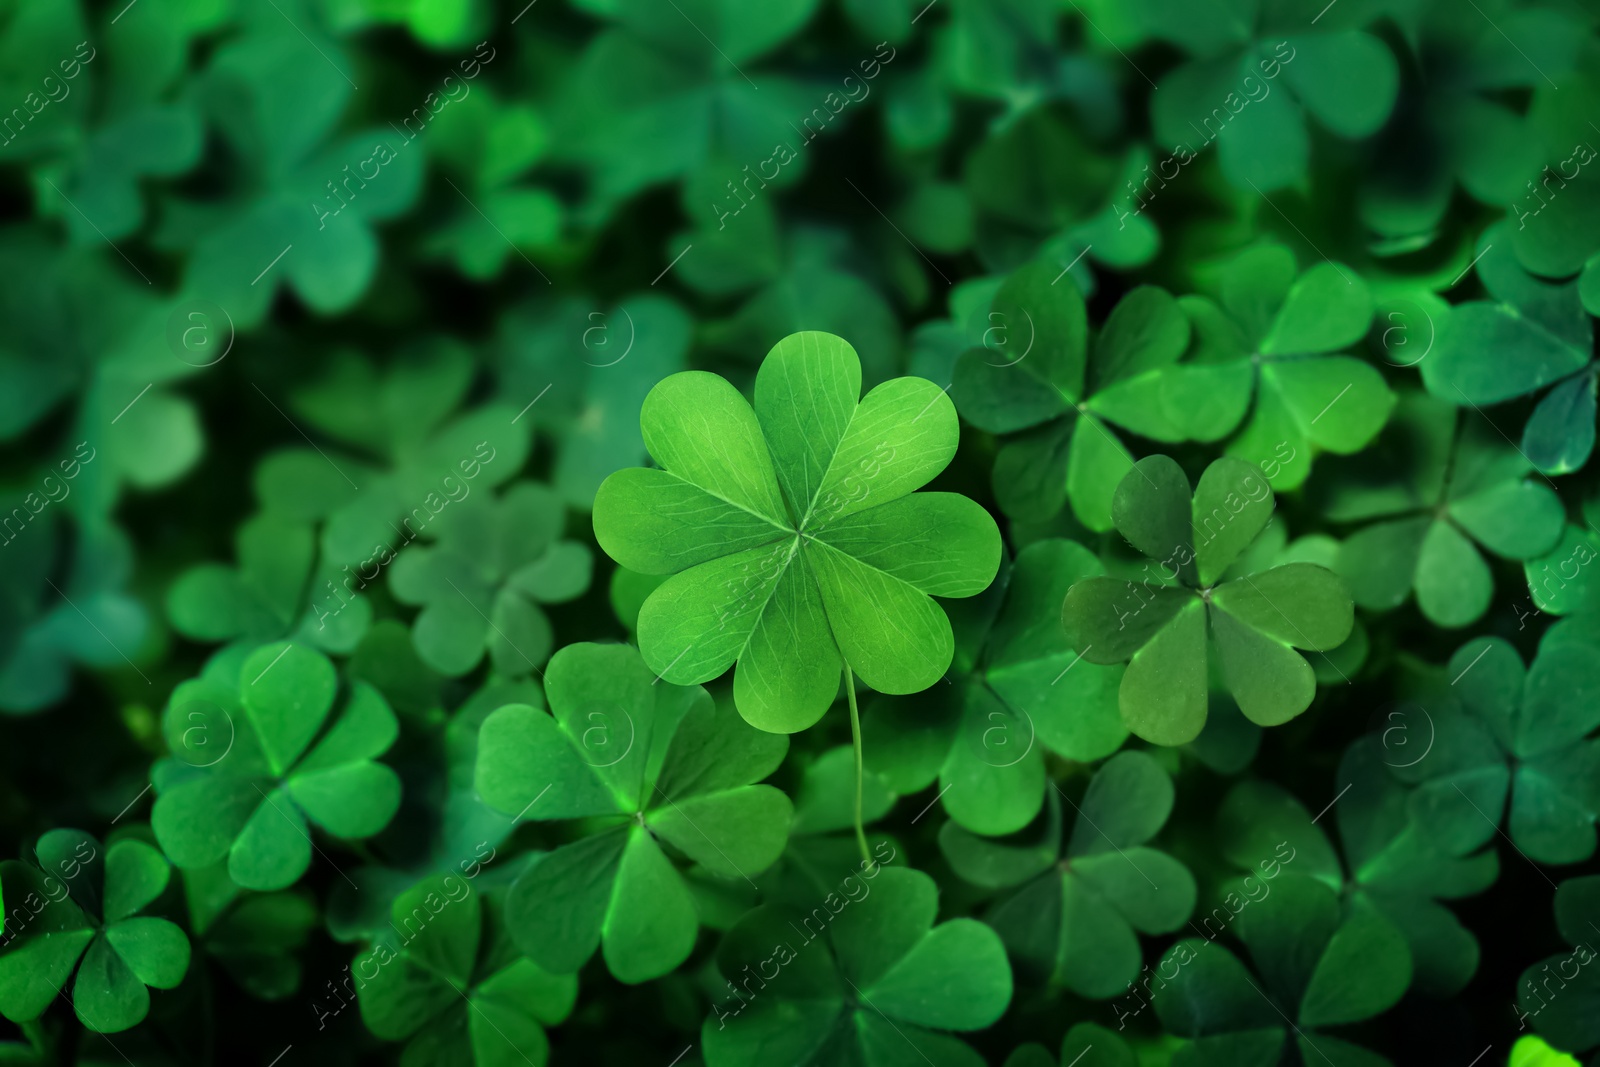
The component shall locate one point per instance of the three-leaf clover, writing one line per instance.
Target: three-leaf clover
(1321, 962)
(81, 903)
(1522, 733)
(1532, 336)
(256, 937)
(1041, 381)
(651, 767)
(1230, 93)
(445, 978)
(1016, 691)
(1395, 864)
(495, 562)
(856, 980)
(1446, 483)
(1181, 615)
(1075, 920)
(246, 781)
(1270, 334)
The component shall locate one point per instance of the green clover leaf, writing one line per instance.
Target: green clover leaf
(1522, 733)
(1038, 381)
(1178, 618)
(1016, 691)
(1347, 80)
(656, 770)
(1395, 865)
(255, 937)
(82, 903)
(1074, 921)
(245, 781)
(1532, 336)
(1321, 963)
(1269, 336)
(1572, 1019)
(445, 978)
(858, 979)
(1447, 484)
(798, 546)
(481, 585)
(270, 594)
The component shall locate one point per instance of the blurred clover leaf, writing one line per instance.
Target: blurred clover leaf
(1269, 337)
(1532, 336)
(446, 979)
(597, 364)
(1568, 1014)
(1015, 692)
(277, 103)
(1395, 865)
(1321, 962)
(882, 977)
(481, 585)
(82, 903)
(86, 619)
(1556, 235)
(1229, 93)
(1251, 624)
(798, 546)
(654, 769)
(1520, 733)
(1453, 125)
(658, 97)
(1085, 1045)
(269, 594)
(257, 938)
(1038, 379)
(245, 781)
(1074, 921)
(1446, 483)
(417, 461)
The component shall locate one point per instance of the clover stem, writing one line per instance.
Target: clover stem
(855, 739)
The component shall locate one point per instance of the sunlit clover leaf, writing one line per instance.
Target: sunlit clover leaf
(270, 594)
(90, 622)
(590, 412)
(81, 910)
(874, 984)
(1523, 735)
(683, 786)
(656, 98)
(1075, 920)
(256, 937)
(1179, 617)
(1014, 692)
(1267, 347)
(1441, 487)
(447, 980)
(277, 99)
(798, 546)
(1394, 864)
(1532, 336)
(481, 584)
(292, 764)
(1319, 963)
(1345, 79)
(1568, 1012)
(1040, 382)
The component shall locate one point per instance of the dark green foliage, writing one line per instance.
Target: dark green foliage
(867, 533)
